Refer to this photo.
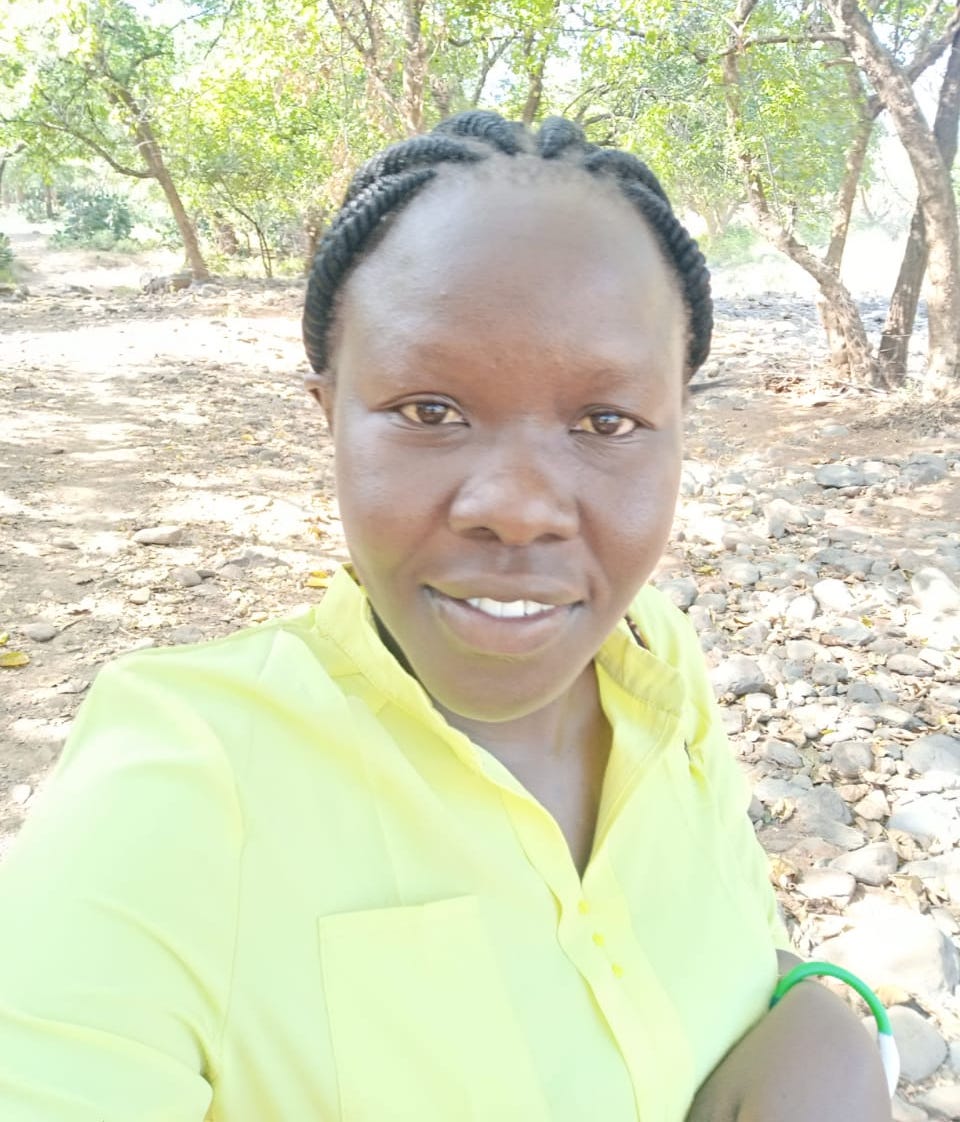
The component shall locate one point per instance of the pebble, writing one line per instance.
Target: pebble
(840, 475)
(140, 596)
(682, 591)
(833, 595)
(908, 664)
(873, 864)
(186, 576)
(63, 543)
(923, 468)
(937, 754)
(934, 592)
(737, 675)
(945, 1100)
(893, 945)
(922, 1048)
(850, 758)
(159, 535)
(185, 636)
(20, 793)
(40, 632)
(929, 818)
(827, 884)
(874, 806)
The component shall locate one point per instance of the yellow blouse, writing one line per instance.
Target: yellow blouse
(269, 883)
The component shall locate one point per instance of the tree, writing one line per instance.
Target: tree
(903, 304)
(99, 81)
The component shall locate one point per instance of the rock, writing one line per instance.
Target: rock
(139, 596)
(828, 674)
(20, 793)
(833, 595)
(803, 650)
(827, 884)
(928, 818)
(63, 543)
(937, 754)
(922, 1049)
(783, 517)
(159, 535)
(873, 864)
(923, 468)
(741, 573)
(840, 475)
(890, 944)
(681, 591)
(873, 806)
(902, 1111)
(942, 873)
(737, 675)
(834, 430)
(801, 610)
(40, 632)
(851, 758)
(944, 1100)
(861, 692)
(909, 665)
(780, 752)
(186, 576)
(185, 636)
(934, 592)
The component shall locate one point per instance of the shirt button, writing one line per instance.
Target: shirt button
(583, 907)
(617, 969)
(598, 938)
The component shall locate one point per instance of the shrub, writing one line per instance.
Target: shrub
(6, 258)
(95, 217)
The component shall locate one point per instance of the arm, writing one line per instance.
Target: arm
(808, 1059)
(118, 906)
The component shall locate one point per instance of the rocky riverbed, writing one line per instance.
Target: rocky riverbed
(165, 480)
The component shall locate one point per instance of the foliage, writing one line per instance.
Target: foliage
(6, 258)
(96, 217)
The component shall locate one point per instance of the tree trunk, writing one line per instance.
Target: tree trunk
(898, 329)
(414, 67)
(934, 190)
(850, 352)
(191, 246)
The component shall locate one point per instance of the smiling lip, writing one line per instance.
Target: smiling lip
(503, 625)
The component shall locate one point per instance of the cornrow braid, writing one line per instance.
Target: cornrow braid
(386, 183)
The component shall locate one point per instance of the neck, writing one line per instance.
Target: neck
(568, 723)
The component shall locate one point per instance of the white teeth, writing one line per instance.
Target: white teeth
(510, 609)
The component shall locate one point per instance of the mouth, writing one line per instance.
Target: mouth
(490, 625)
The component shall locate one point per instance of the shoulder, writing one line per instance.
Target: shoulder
(665, 630)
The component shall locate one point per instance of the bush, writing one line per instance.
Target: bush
(95, 217)
(6, 258)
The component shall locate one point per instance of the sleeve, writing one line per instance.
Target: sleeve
(118, 906)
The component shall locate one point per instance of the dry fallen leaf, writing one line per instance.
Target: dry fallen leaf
(4, 638)
(10, 660)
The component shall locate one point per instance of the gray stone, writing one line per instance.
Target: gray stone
(873, 864)
(909, 665)
(694, 477)
(941, 872)
(742, 573)
(801, 609)
(738, 676)
(851, 758)
(840, 475)
(159, 535)
(828, 673)
(846, 560)
(803, 650)
(861, 692)
(783, 517)
(140, 596)
(928, 818)
(873, 806)
(944, 1100)
(827, 884)
(186, 636)
(186, 576)
(893, 945)
(934, 592)
(923, 468)
(64, 543)
(780, 752)
(936, 755)
(850, 632)
(922, 1049)
(40, 632)
(681, 591)
(834, 430)
(833, 595)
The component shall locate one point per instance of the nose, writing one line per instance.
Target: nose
(519, 490)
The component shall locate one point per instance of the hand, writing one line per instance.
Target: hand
(808, 1060)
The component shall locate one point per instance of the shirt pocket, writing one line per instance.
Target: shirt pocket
(421, 1020)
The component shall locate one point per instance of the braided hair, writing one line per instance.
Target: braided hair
(383, 186)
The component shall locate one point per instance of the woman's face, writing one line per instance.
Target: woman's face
(506, 412)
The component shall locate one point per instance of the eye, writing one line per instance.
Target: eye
(607, 422)
(433, 413)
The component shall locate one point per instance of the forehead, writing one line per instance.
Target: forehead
(525, 255)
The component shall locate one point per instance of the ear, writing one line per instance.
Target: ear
(321, 389)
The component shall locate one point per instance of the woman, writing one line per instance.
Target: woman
(464, 841)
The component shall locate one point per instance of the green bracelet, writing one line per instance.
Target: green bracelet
(889, 1056)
